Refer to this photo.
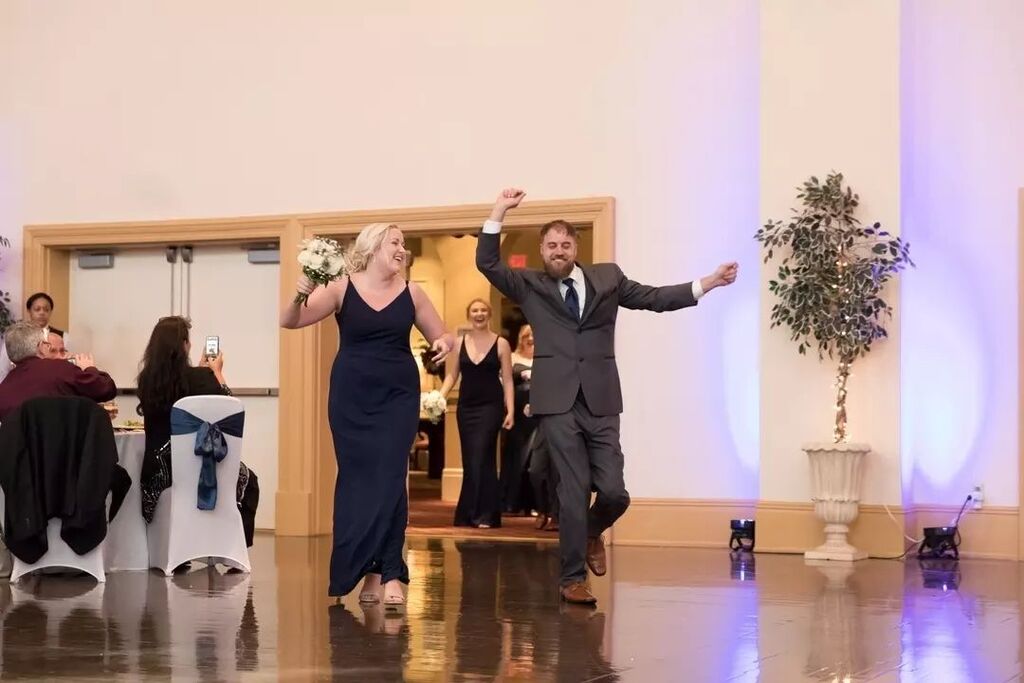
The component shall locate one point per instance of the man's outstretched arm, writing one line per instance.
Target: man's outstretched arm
(673, 297)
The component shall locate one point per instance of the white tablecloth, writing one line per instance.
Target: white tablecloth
(125, 546)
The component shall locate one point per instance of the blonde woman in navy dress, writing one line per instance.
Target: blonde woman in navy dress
(373, 406)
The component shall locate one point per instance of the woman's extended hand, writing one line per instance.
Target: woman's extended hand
(441, 348)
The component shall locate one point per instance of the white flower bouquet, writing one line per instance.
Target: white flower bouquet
(433, 405)
(321, 262)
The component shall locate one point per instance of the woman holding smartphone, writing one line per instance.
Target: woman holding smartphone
(166, 376)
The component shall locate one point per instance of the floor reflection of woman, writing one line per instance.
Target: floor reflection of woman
(478, 631)
(484, 360)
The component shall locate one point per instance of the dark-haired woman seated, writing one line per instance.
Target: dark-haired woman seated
(165, 377)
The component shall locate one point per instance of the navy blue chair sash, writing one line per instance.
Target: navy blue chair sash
(211, 446)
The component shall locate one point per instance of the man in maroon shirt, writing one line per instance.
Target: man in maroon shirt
(39, 371)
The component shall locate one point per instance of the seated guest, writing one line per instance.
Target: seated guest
(39, 308)
(167, 376)
(58, 460)
(38, 372)
(57, 348)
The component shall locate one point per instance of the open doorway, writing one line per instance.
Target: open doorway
(444, 266)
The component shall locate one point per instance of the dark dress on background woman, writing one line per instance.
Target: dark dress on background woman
(516, 491)
(157, 473)
(480, 412)
(373, 409)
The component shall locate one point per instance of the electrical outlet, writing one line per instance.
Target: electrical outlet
(978, 496)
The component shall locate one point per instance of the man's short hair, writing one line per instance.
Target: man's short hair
(22, 340)
(558, 224)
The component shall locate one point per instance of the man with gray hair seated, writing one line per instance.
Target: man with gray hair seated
(41, 370)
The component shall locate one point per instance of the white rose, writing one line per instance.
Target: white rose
(334, 265)
(316, 261)
(304, 258)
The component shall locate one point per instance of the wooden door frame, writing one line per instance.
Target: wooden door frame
(306, 466)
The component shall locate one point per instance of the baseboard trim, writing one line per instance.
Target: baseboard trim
(789, 527)
(696, 523)
(792, 527)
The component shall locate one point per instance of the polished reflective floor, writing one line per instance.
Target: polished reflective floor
(481, 610)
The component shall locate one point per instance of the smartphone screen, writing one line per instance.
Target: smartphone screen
(212, 347)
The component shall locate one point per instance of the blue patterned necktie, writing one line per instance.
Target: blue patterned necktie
(572, 300)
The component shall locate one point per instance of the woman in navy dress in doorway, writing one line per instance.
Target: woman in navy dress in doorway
(484, 360)
(373, 406)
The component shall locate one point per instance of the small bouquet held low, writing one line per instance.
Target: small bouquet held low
(321, 262)
(433, 405)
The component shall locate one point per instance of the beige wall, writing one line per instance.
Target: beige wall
(193, 109)
(828, 102)
(963, 165)
(689, 113)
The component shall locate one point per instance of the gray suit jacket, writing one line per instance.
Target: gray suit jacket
(572, 355)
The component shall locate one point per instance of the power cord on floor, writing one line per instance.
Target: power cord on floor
(900, 556)
(900, 527)
(916, 541)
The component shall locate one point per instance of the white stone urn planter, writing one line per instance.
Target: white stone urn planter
(835, 489)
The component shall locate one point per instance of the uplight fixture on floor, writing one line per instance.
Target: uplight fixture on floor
(940, 541)
(742, 537)
(943, 541)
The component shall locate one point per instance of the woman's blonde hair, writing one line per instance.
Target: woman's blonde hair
(358, 254)
(523, 331)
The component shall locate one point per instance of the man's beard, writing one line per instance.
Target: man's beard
(556, 271)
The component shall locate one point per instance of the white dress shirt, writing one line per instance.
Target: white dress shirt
(579, 283)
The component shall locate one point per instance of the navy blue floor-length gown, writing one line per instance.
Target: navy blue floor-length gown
(373, 409)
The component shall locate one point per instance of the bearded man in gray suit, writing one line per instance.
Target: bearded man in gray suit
(575, 389)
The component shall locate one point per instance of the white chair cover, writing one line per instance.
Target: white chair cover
(59, 554)
(181, 532)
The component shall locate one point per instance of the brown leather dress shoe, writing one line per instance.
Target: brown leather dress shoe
(541, 521)
(578, 594)
(596, 557)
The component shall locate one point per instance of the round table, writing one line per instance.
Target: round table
(125, 547)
